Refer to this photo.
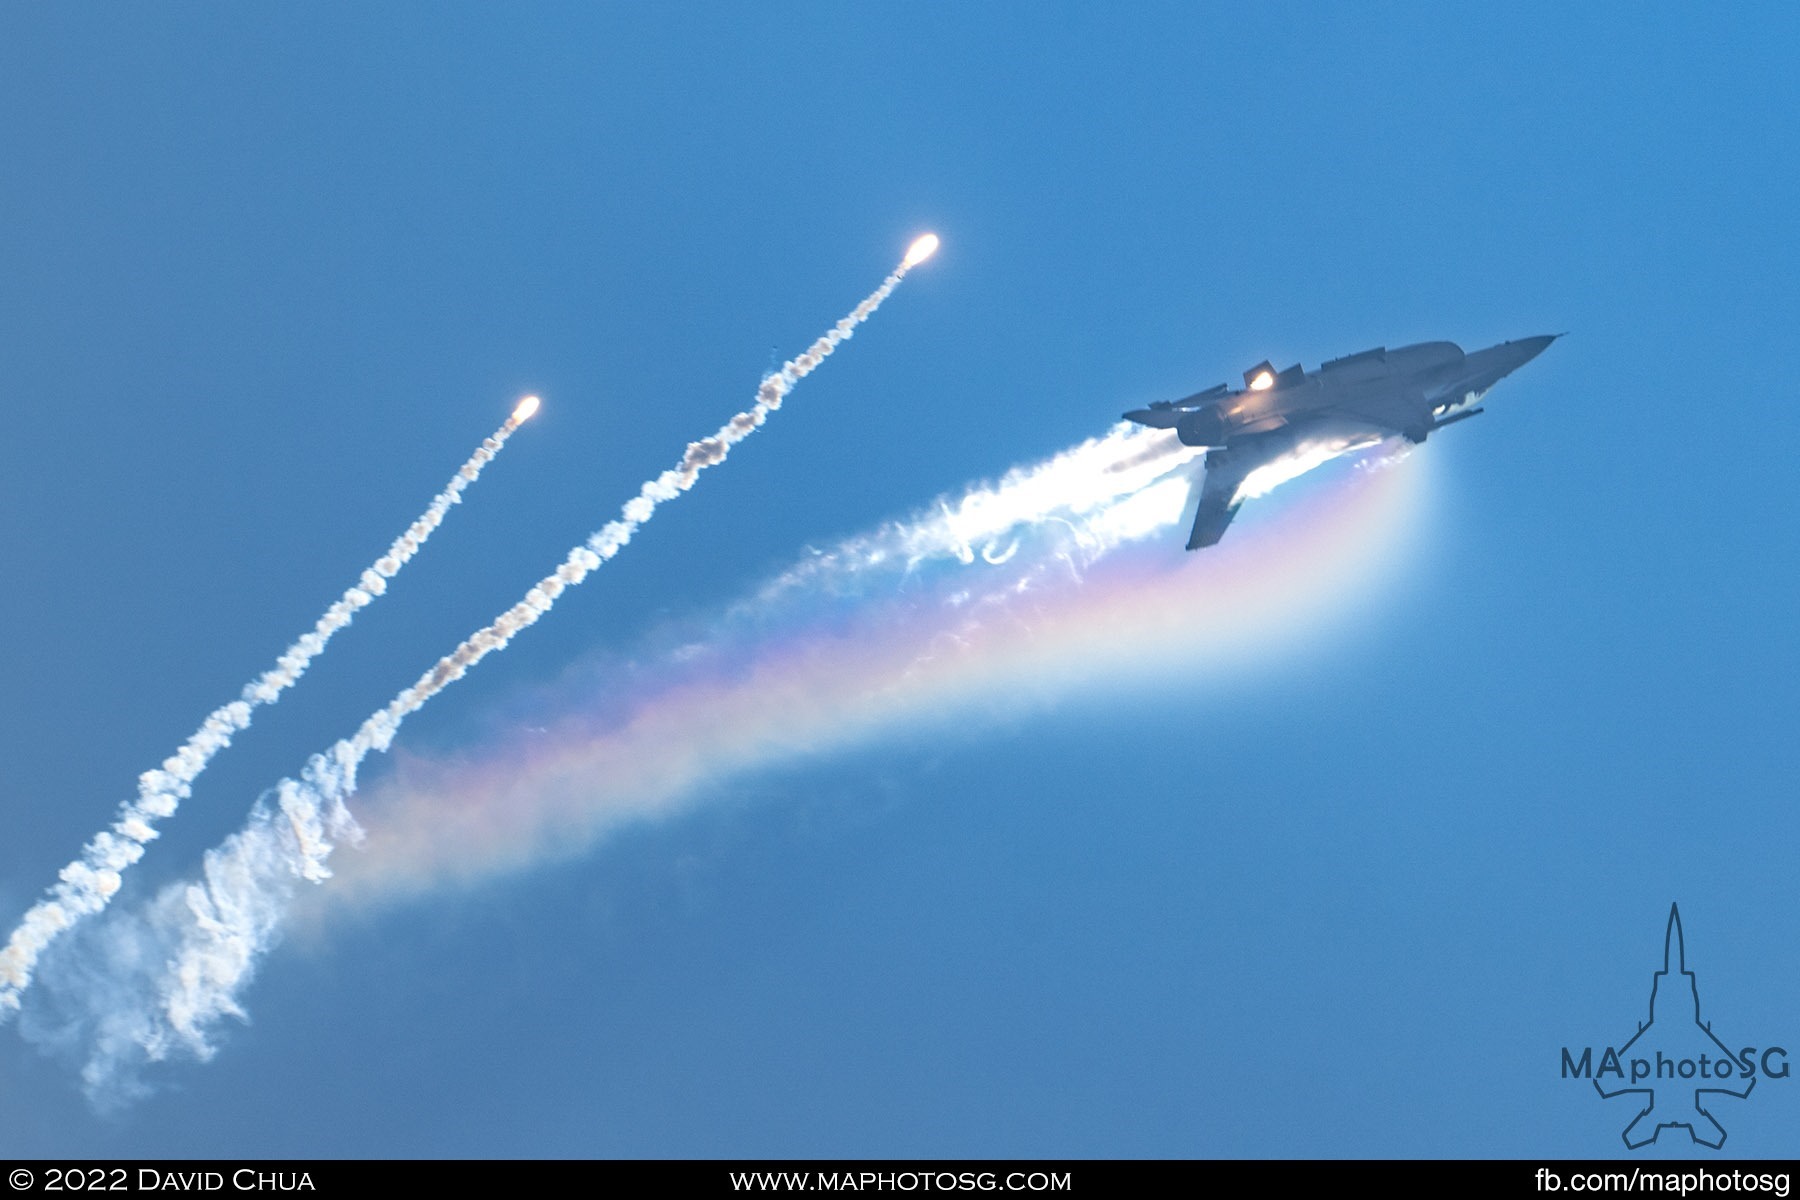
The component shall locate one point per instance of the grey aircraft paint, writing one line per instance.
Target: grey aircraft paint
(1348, 402)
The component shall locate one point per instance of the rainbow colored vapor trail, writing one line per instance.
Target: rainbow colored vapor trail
(1010, 595)
(1065, 574)
(1062, 575)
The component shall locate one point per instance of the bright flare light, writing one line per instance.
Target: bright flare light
(527, 409)
(1262, 382)
(920, 250)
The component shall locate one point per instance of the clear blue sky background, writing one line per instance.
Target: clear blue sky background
(270, 271)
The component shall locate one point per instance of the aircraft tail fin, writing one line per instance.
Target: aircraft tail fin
(1219, 500)
(1210, 520)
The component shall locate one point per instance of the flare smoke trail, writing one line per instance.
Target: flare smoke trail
(985, 596)
(221, 926)
(86, 885)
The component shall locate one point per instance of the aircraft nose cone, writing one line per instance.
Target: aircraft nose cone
(1529, 348)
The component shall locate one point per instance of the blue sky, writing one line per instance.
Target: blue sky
(271, 273)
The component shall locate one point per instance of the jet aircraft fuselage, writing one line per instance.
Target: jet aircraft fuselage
(1348, 402)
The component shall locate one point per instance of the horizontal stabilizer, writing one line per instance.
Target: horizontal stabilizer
(1159, 417)
(1166, 414)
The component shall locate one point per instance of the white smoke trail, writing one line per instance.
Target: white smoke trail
(857, 640)
(86, 885)
(1084, 481)
(907, 599)
(155, 982)
(218, 928)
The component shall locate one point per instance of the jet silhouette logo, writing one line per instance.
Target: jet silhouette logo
(1675, 1064)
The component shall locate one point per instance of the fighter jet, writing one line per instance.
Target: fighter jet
(1347, 403)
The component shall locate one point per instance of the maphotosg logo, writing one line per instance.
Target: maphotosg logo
(1674, 1063)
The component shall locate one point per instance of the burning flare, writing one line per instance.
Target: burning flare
(214, 931)
(921, 249)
